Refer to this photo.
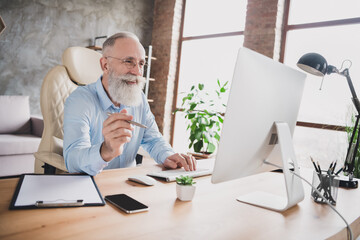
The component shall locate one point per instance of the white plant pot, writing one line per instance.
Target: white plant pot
(185, 192)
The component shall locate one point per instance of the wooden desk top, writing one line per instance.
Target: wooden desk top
(214, 212)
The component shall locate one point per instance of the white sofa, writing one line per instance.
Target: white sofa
(20, 136)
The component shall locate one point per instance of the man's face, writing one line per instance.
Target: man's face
(125, 89)
(125, 68)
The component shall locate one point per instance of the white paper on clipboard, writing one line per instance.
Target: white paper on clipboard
(57, 188)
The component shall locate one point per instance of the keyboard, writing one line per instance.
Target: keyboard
(171, 175)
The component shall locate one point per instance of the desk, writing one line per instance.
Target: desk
(213, 214)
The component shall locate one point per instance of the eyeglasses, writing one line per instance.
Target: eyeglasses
(130, 62)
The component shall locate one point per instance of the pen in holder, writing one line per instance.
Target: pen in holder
(327, 184)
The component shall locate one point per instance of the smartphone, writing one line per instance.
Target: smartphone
(126, 203)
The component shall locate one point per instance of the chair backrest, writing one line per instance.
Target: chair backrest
(81, 66)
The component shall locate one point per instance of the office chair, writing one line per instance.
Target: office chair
(81, 66)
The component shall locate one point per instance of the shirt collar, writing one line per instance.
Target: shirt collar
(103, 97)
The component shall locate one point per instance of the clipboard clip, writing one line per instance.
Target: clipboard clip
(60, 203)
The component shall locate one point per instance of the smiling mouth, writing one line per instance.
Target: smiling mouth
(130, 82)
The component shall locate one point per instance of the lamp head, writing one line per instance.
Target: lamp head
(313, 63)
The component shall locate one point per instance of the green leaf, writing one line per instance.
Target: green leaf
(211, 148)
(198, 146)
(193, 127)
(201, 86)
(221, 120)
(217, 136)
(191, 115)
(207, 137)
(193, 106)
(222, 90)
(218, 82)
(198, 135)
(192, 87)
(185, 180)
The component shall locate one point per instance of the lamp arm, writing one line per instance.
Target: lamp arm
(352, 90)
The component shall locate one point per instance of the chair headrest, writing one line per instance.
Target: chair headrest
(82, 64)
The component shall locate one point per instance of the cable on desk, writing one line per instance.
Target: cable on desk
(349, 231)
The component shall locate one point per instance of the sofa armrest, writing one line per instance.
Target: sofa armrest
(37, 125)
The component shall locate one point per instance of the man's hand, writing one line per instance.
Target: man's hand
(177, 160)
(116, 131)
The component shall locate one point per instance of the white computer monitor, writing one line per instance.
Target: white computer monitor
(260, 118)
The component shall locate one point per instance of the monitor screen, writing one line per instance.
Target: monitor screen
(263, 92)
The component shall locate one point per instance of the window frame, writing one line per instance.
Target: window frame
(291, 27)
(184, 39)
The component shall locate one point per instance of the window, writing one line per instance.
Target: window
(212, 35)
(332, 29)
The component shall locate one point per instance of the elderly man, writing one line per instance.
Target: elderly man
(97, 132)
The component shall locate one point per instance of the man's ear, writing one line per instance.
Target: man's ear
(104, 64)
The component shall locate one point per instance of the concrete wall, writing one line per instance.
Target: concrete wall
(38, 32)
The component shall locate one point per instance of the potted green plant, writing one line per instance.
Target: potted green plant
(184, 188)
(204, 119)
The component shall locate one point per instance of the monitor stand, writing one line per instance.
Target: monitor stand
(294, 187)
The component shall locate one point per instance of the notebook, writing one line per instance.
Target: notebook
(171, 175)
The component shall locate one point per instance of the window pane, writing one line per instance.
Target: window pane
(214, 16)
(204, 61)
(331, 105)
(306, 11)
(324, 146)
(181, 135)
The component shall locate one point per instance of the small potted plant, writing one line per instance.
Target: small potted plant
(184, 188)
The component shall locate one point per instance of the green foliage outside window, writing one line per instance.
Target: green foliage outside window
(349, 131)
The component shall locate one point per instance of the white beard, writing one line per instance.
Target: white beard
(122, 92)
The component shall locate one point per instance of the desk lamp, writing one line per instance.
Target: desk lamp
(317, 65)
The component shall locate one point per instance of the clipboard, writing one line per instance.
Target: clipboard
(48, 191)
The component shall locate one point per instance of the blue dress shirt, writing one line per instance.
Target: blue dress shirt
(84, 114)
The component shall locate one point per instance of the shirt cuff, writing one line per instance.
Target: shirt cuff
(164, 156)
(98, 163)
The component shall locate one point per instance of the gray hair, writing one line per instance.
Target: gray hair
(111, 40)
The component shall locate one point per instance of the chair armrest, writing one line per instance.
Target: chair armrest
(37, 125)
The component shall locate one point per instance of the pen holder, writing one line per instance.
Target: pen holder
(327, 184)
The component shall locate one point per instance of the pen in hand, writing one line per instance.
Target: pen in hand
(131, 122)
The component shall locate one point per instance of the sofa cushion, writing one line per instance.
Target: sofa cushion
(15, 114)
(18, 144)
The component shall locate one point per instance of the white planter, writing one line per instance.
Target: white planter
(185, 192)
